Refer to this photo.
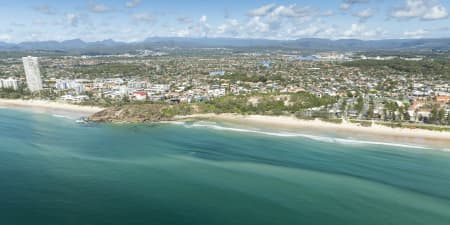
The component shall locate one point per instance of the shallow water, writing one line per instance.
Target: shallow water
(55, 171)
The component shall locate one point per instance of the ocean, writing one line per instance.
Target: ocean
(54, 171)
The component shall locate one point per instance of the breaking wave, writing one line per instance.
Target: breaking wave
(215, 126)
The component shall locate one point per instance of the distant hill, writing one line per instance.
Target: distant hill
(301, 44)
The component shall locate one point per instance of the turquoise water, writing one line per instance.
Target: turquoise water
(56, 172)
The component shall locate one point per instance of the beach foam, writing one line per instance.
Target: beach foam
(60, 116)
(215, 126)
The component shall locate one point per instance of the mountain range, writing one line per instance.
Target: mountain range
(442, 44)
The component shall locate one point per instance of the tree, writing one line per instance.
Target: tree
(360, 104)
(406, 115)
(343, 105)
(434, 114)
(125, 99)
(448, 119)
(441, 116)
(370, 112)
(350, 94)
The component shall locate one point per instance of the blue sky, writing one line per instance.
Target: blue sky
(135, 20)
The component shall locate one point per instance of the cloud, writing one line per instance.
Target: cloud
(416, 33)
(311, 30)
(347, 4)
(204, 26)
(277, 11)
(422, 9)
(272, 21)
(355, 30)
(132, 3)
(271, 18)
(365, 14)
(262, 11)
(199, 28)
(98, 8)
(436, 12)
(45, 9)
(203, 19)
(292, 11)
(328, 13)
(255, 25)
(5, 37)
(360, 31)
(144, 17)
(72, 19)
(229, 27)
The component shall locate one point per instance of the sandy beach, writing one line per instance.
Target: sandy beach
(375, 132)
(50, 106)
(277, 123)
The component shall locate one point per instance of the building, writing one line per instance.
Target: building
(9, 83)
(267, 64)
(159, 88)
(217, 73)
(443, 99)
(75, 99)
(33, 74)
(140, 95)
(65, 84)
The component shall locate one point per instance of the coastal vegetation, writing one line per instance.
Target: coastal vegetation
(416, 126)
(141, 113)
(20, 93)
(9, 94)
(287, 104)
(363, 123)
(267, 104)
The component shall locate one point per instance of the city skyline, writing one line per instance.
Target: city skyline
(135, 20)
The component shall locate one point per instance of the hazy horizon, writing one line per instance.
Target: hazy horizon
(225, 38)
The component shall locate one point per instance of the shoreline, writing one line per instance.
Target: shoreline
(346, 130)
(49, 106)
(290, 123)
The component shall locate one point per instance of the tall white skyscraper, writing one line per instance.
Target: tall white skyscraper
(32, 72)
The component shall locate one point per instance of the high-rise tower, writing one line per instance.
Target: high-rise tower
(32, 72)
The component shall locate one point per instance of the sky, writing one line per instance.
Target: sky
(135, 20)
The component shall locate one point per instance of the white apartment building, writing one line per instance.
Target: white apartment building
(159, 88)
(62, 84)
(9, 83)
(32, 72)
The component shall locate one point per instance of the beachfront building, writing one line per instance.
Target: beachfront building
(9, 83)
(74, 99)
(67, 84)
(32, 73)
